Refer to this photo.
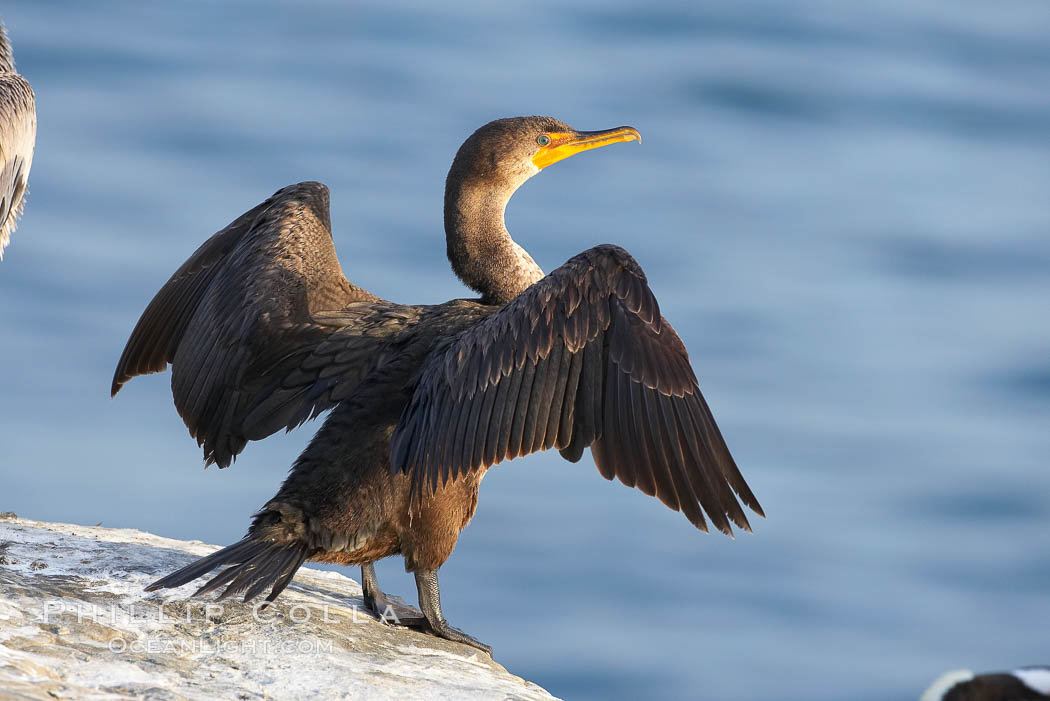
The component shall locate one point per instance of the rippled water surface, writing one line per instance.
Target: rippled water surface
(843, 208)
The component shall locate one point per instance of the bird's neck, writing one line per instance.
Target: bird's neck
(480, 248)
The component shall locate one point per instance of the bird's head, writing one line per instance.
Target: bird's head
(507, 152)
(490, 165)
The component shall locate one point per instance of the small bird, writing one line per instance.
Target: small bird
(263, 332)
(1024, 684)
(17, 140)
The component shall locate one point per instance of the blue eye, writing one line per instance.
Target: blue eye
(543, 139)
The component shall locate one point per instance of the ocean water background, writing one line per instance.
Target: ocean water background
(843, 208)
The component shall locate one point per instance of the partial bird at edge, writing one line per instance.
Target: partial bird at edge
(17, 140)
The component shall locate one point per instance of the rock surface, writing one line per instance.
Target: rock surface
(75, 623)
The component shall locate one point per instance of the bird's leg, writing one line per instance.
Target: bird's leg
(379, 605)
(430, 603)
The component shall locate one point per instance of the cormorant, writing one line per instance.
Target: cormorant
(17, 138)
(263, 332)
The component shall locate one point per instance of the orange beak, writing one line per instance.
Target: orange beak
(564, 144)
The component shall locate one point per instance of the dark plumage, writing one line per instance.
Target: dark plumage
(263, 332)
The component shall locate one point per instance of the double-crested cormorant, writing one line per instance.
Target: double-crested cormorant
(263, 332)
(17, 138)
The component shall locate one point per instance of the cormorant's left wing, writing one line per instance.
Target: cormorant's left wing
(581, 358)
(260, 326)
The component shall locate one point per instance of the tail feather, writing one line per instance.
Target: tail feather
(232, 553)
(224, 578)
(270, 573)
(250, 573)
(254, 565)
(286, 577)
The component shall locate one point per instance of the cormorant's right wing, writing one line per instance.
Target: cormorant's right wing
(581, 358)
(17, 139)
(261, 327)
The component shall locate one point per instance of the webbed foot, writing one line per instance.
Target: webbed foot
(430, 603)
(386, 608)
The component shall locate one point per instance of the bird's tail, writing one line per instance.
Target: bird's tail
(254, 565)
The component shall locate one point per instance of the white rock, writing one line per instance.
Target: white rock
(75, 623)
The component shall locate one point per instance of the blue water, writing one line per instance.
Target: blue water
(844, 208)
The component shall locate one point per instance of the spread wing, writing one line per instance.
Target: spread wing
(581, 358)
(17, 140)
(261, 327)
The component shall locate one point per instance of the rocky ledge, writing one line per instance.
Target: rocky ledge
(75, 623)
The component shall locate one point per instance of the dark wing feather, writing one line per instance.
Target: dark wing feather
(581, 358)
(261, 327)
